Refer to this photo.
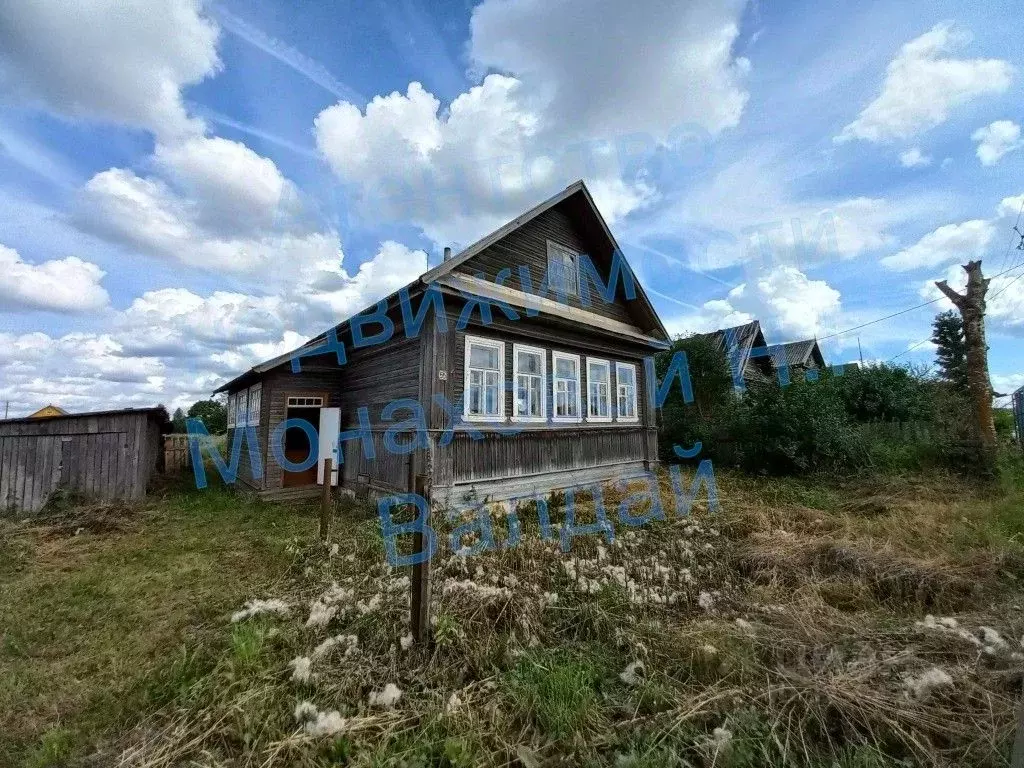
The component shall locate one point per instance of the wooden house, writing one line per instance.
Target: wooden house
(47, 411)
(800, 356)
(566, 374)
(738, 343)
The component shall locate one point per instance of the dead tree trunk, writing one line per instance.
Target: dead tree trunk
(972, 309)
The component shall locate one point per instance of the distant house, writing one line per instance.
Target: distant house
(737, 343)
(48, 411)
(566, 374)
(800, 356)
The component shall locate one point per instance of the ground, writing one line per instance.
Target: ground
(857, 623)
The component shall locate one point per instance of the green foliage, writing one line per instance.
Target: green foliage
(178, 422)
(1003, 418)
(883, 393)
(557, 690)
(212, 413)
(948, 337)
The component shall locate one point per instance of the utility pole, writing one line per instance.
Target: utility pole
(972, 309)
(860, 351)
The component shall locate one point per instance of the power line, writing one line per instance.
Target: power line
(909, 349)
(911, 309)
(1013, 237)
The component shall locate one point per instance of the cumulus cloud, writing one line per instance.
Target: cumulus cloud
(111, 60)
(66, 285)
(997, 139)
(553, 114)
(784, 299)
(1004, 301)
(950, 242)
(923, 85)
(914, 158)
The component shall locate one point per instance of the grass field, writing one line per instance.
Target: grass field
(860, 623)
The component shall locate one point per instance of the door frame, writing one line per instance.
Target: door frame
(325, 403)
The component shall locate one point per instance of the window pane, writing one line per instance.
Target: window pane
(626, 376)
(597, 372)
(483, 357)
(565, 369)
(534, 392)
(529, 362)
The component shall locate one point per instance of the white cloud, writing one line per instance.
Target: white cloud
(997, 139)
(914, 158)
(922, 87)
(555, 113)
(1011, 206)
(1004, 311)
(582, 61)
(784, 299)
(124, 61)
(62, 285)
(950, 242)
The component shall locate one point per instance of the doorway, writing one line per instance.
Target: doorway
(297, 445)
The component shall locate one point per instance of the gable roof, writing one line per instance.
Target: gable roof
(802, 352)
(442, 274)
(744, 337)
(48, 411)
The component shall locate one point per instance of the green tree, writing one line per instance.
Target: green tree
(213, 415)
(948, 336)
(179, 421)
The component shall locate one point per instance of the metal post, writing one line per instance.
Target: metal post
(420, 612)
(326, 504)
(1017, 761)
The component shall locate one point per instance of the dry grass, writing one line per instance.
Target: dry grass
(801, 625)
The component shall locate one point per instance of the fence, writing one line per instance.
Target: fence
(177, 458)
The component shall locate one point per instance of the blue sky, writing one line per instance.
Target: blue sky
(187, 188)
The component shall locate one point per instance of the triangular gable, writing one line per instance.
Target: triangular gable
(577, 201)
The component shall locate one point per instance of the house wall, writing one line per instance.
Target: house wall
(542, 456)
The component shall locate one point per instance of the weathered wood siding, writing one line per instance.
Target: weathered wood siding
(371, 377)
(528, 246)
(106, 456)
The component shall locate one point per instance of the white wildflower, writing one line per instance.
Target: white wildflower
(350, 640)
(301, 669)
(454, 702)
(326, 724)
(633, 673)
(706, 601)
(320, 614)
(334, 550)
(386, 698)
(368, 606)
(406, 642)
(921, 687)
(745, 627)
(550, 598)
(305, 710)
(257, 607)
(721, 738)
(992, 638)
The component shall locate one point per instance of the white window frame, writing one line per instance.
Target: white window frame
(555, 357)
(241, 408)
(636, 385)
(255, 402)
(543, 354)
(231, 411)
(562, 251)
(302, 401)
(608, 369)
(493, 344)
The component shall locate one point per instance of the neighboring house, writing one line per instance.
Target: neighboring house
(48, 411)
(800, 356)
(737, 343)
(570, 375)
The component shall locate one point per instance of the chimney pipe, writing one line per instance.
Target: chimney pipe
(447, 253)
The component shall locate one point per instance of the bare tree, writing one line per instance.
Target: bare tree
(972, 310)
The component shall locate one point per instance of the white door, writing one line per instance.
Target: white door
(330, 426)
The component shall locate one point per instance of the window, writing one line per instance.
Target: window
(484, 397)
(528, 363)
(305, 402)
(255, 398)
(563, 269)
(231, 411)
(598, 390)
(566, 387)
(625, 384)
(241, 402)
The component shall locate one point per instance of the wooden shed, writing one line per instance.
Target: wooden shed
(105, 455)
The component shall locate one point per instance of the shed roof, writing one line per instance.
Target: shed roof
(154, 410)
